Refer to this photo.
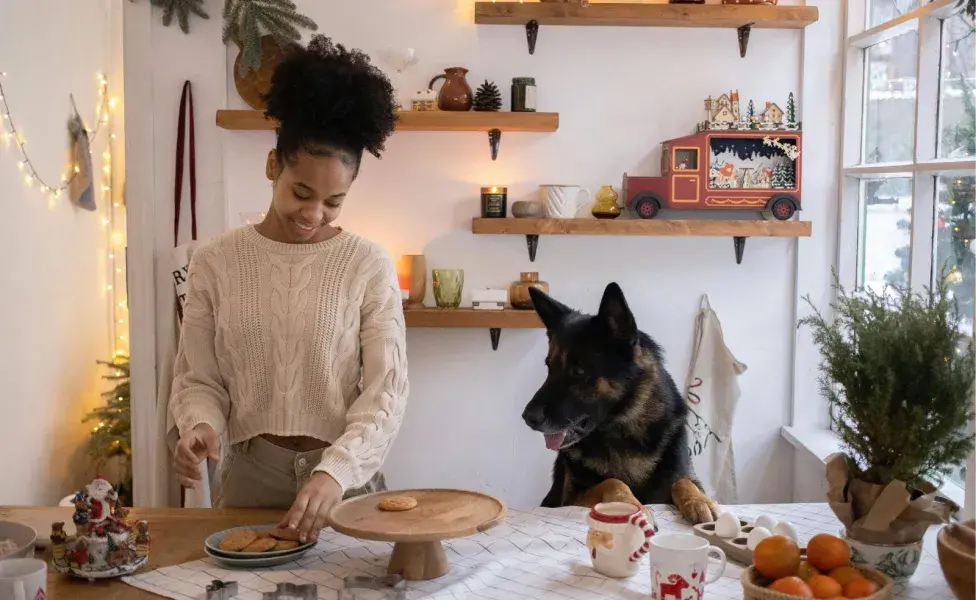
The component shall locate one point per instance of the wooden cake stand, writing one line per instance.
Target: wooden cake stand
(417, 533)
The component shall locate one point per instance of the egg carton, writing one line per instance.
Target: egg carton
(735, 548)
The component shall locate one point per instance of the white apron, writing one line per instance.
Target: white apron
(712, 393)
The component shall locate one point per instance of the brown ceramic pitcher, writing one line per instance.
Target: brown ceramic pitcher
(455, 94)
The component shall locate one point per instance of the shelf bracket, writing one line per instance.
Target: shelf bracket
(496, 335)
(743, 33)
(531, 34)
(532, 240)
(494, 140)
(739, 242)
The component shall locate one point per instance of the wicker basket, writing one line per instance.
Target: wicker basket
(752, 591)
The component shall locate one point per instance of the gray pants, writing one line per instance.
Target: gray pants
(257, 474)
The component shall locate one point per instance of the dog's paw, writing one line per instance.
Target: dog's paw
(699, 510)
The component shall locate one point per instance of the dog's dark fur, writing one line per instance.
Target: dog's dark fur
(623, 415)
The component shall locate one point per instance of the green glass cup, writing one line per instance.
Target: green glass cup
(448, 284)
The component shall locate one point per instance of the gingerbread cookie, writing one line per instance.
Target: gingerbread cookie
(261, 545)
(397, 503)
(285, 545)
(281, 533)
(237, 540)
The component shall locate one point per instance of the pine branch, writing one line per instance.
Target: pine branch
(245, 21)
(182, 9)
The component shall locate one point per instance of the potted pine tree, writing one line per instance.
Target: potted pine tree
(897, 373)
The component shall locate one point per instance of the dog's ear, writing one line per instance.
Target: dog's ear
(552, 312)
(616, 315)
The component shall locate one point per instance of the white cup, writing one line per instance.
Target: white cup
(23, 579)
(562, 201)
(678, 563)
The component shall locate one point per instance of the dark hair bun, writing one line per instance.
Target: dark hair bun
(326, 95)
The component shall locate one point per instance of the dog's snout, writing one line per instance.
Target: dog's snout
(533, 417)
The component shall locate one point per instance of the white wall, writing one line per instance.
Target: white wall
(619, 92)
(54, 312)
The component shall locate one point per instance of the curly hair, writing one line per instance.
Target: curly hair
(327, 98)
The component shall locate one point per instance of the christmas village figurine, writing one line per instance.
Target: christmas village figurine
(104, 545)
(724, 112)
(424, 100)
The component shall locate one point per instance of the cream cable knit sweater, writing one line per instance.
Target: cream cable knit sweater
(295, 339)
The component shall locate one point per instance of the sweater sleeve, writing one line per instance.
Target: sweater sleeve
(198, 394)
(374, 418)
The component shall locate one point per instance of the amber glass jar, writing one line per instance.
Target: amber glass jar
(518, 292)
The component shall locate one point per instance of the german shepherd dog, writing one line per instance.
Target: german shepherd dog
(612, 412)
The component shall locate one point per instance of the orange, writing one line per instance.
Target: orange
(824, 587)
(794, 586)
(827, 552)
(806, 571)
(777, 556)
(845, 574)
(860, 588)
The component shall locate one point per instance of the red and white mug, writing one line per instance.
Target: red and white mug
(678, 563)
(618, 538)
(23, 579)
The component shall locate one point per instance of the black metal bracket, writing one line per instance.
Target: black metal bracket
(743, 32)
(531, 34)
(496, 335)
(532, 239)
(739, 242)
(494, 141)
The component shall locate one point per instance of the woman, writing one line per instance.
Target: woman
(292, 338)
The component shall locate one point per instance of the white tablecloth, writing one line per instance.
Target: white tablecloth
(537, 554)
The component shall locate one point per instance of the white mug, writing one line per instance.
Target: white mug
(23, 579)
(617, 539)
(678, 563)
(562, 201)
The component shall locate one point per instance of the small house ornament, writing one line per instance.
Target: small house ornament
(724, 113)
(424, 100)
(104, 544)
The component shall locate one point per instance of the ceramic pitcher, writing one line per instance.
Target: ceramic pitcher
(455, 94)
(618, 538)
(562, 201)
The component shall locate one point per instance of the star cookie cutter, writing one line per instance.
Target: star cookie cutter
(393, 584)
(293, 591)
(221, 590)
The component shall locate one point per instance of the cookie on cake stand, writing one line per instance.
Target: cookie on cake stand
(104, 544)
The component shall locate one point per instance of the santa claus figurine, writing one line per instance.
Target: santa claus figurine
(101, 499)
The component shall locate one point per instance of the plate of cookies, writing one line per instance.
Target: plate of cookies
(256, 543)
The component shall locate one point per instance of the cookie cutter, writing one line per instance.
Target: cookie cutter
(293, 591)
(393, 585)
(221, 590)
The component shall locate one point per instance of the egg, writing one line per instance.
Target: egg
(757, 535)
(765, 521)
(785, 529)
(727, 526)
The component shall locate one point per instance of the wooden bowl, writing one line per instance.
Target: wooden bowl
(753, 590)
(955, 545)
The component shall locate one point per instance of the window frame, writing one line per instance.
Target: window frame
(925, 165)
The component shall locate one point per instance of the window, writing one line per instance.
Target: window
(908, 150)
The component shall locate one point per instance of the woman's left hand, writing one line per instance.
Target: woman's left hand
(309, 514)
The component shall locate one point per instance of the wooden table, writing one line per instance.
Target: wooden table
(177, 537)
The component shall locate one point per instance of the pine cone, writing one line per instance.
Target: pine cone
(487, 98)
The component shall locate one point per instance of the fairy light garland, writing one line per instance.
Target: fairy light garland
(113, 210)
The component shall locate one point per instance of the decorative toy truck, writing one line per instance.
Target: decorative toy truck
(722, 170)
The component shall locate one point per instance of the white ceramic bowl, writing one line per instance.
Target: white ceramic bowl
(896, 561)
(22, 535)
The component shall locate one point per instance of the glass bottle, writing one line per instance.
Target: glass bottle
(606, 206)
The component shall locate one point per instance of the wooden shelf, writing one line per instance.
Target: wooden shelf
(739, 230)
(494, 123)
(493, 320)
(740, 17)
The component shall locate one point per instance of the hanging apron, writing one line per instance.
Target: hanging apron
(712, 393)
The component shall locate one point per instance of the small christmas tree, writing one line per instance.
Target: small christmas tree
(779, 177)
(790, 111)
(752, 111)
(111, 437)
(487, 98)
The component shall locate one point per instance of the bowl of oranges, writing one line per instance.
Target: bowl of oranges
(779, 572)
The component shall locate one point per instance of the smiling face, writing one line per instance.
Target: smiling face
(591, 368)
(309, 190)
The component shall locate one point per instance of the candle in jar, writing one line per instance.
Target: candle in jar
(494, 202)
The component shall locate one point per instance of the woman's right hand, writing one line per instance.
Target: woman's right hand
(194, 446)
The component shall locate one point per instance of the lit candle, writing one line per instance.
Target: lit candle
(494, 202)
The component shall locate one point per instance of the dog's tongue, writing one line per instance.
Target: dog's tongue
(555, 440)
